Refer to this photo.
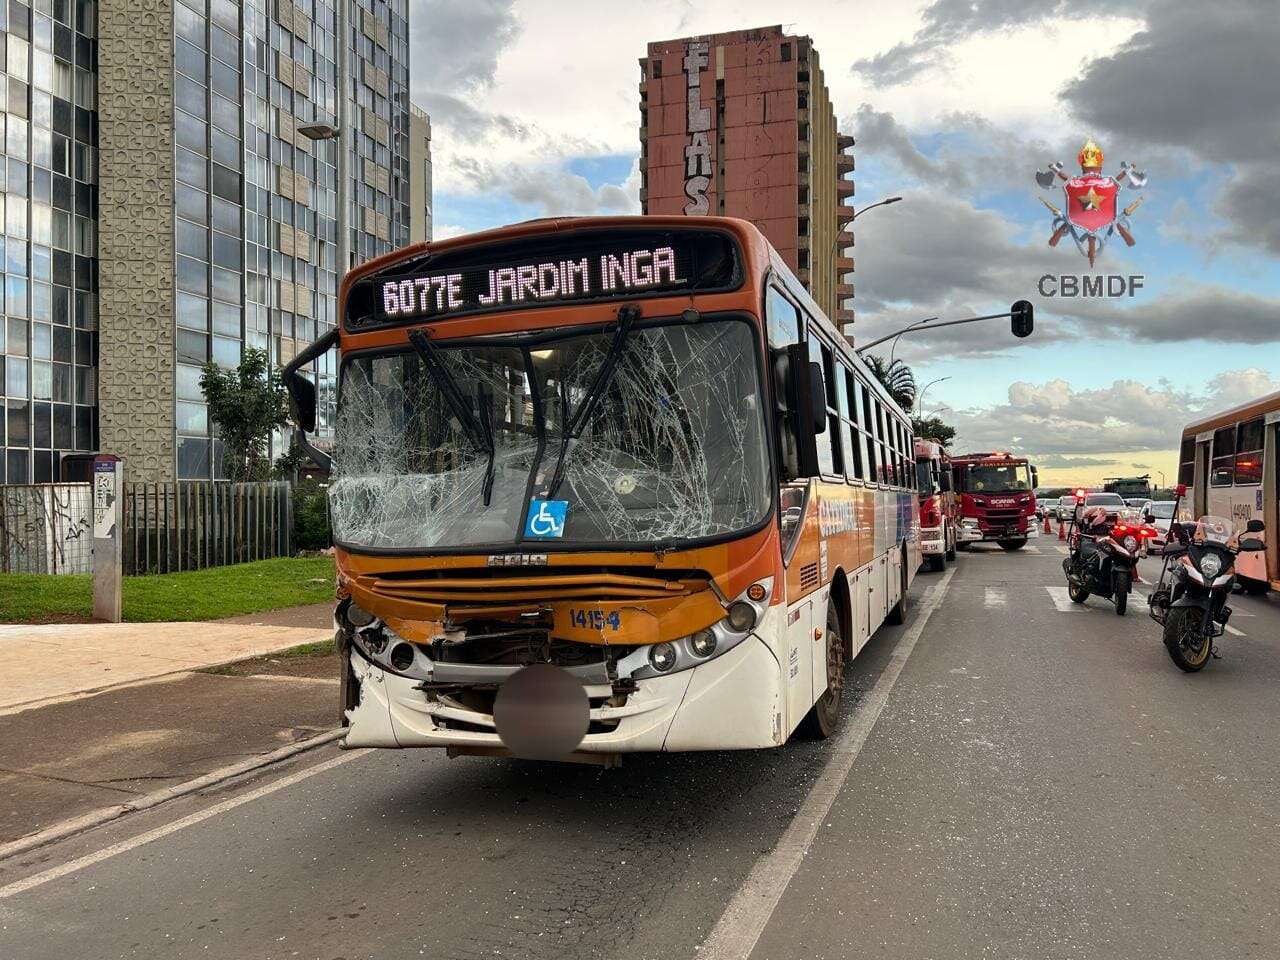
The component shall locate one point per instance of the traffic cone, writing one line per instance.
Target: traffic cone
(1062, 531)
(1047, 528)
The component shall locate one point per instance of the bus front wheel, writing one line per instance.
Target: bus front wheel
(824, 716)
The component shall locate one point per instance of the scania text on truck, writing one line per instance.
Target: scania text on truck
(997, 498)
(938, 510)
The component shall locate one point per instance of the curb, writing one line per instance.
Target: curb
(68, 828)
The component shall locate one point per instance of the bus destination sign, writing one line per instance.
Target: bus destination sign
(525, 284)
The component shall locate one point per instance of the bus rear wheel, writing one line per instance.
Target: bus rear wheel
(824, 716)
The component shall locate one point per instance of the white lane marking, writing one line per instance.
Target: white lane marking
(739, 928)
(124, 846)
(1062, 600)
(1063, 550)
(1030, 549)
(995, 597)
(1233, 631)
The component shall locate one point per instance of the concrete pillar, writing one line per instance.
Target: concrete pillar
(108, 537)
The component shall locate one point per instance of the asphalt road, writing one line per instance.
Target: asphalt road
(1041, 782)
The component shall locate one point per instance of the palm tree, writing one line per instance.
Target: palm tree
(897, 379)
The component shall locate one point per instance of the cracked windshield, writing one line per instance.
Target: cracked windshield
(669, 447)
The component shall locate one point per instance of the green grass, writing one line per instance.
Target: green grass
(199, 595)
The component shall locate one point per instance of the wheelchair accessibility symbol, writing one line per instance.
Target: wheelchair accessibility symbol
(546, 519)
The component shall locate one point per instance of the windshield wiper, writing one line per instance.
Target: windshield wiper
(480, 434)
(574, 426)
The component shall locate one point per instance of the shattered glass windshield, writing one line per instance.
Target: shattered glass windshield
(672, 448)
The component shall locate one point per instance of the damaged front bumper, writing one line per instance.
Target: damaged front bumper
(731, 702)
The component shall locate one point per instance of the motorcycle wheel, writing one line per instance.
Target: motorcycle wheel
(1078, 592)
(1121, 595)
(1184, 624)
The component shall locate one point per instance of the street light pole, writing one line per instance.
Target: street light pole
(918, 323)
(857, 213)
(923, 391)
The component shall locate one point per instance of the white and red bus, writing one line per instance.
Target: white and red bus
(632, 449)
(1231, 468)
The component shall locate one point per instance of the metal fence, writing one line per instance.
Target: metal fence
(169, 527)
(45, 528)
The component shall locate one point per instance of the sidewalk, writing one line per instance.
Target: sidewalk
(48, 663)
(102, 714)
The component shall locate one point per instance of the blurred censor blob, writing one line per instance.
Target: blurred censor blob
(541, 712)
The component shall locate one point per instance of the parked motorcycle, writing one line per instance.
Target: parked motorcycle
(1099, 563)
(1190, 599)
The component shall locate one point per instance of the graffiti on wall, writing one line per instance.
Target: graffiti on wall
(697, 153)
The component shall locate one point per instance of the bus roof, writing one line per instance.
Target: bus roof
(1245, 411)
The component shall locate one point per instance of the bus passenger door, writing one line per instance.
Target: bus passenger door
(801, 661)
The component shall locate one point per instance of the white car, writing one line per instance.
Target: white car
(1159, 514)
(1066, 506)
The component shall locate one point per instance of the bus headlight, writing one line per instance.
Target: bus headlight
(742, 616)
(684, 653)
(703, 643)
(663, 657)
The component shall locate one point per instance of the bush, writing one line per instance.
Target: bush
(311, 530)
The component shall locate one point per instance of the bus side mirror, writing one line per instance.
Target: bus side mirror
(302, 394)
(802, 407)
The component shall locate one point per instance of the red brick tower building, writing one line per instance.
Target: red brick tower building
(740, 124)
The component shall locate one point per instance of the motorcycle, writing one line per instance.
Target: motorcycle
(1190, 598)
(1103, 558)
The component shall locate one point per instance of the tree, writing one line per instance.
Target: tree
(932, 428)
(246, 404)
(897, 379)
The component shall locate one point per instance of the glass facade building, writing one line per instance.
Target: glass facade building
(48, 197)
(255, 208)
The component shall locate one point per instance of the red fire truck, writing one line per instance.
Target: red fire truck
(939, 512)
(997, 498)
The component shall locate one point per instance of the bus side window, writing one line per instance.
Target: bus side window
(846, 401)
(829, 455)
(1249, 452)
(874, 471)
(782, 322)
(1222, 469)
(1187, 462)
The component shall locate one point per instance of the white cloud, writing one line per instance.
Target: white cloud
(1056, 419)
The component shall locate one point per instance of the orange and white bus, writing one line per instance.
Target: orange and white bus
(1230, 465)
(630, 448)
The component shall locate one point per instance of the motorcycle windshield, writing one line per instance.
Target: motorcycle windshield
(1211, 529)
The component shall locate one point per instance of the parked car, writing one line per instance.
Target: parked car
(1046, 507)
(1113, 503)
(1066, 506)
(1137, 503)
(1159, 514)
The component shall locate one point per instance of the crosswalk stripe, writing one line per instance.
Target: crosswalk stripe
(1062, 600)
(995, 597)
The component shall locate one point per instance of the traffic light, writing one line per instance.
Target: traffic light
(1022, 318)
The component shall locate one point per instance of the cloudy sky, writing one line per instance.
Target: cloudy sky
(955, 104)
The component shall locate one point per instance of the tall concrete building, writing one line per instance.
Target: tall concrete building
(420, 174)
(174, 192)
(740, 124)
